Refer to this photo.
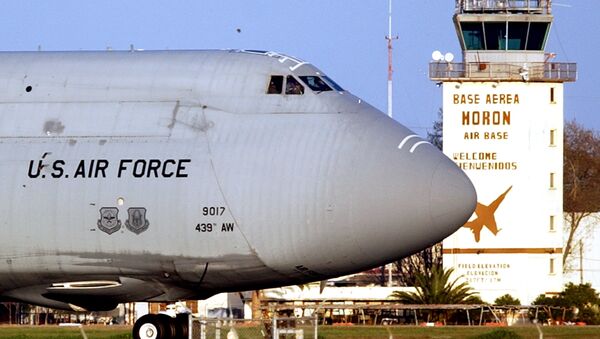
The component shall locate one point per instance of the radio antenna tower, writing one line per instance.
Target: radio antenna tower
(389, 39)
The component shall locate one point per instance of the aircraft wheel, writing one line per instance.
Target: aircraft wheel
(170, 325)
(152, 326)
(182, 324)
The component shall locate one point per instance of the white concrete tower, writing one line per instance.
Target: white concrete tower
(503, 125)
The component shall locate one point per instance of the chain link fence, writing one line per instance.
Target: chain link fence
(275, 328)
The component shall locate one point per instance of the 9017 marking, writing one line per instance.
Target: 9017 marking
(213, 210)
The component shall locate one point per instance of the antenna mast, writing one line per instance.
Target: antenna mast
(389, 39)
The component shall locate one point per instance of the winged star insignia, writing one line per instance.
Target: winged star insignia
(109, 221)
(136, 221)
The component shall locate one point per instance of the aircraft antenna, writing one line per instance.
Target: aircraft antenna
(389, 39)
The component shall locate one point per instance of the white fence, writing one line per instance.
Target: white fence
(275, 328)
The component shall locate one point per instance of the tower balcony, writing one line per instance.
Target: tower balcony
(504, 6)
(490, 71)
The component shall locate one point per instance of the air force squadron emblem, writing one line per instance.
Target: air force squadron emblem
(109, 221)
(136, 221)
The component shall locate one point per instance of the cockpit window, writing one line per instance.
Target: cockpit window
(315, 83)
(275, 84)
(333, 84)
(293, 86)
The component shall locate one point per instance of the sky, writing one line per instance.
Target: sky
(344, 38)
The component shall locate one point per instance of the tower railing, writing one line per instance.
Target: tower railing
(504, 6)
(489, 71)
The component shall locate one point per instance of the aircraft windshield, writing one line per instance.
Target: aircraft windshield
(315, 83)
(275, 84)
(291, 85)
(333, 84)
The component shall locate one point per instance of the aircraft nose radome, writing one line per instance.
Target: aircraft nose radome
(406, 194)
(453, 197)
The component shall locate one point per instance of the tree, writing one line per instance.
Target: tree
(574, 303)
(549, 309)
(507, 300)
(436, 137)
(436, 288)
(424, 261)
(581, 183)
(582, 301)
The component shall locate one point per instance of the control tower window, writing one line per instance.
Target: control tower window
(507, 35)
(315, 83)
(275, 84)
(537, 36)
(495, 35)
(293, 86)
(473, 35)
(517, 35)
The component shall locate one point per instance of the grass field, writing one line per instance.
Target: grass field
(55, 332)
(452, 332)
(326, 332)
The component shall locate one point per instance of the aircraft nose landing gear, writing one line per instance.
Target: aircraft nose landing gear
(161, 326)
(148, 331)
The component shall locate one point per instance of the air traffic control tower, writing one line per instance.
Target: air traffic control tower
(503, 125)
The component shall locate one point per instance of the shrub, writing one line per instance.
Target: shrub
(499, 334)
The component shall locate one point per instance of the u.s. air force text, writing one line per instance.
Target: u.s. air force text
(103, 168)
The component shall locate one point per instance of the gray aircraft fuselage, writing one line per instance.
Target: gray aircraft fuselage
(170, 175)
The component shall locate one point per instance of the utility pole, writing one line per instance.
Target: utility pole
(580, 262)
(389, 39)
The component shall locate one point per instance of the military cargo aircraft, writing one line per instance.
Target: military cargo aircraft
(172, 175)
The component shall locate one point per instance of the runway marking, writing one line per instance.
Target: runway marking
(412, 149)
(408, 137)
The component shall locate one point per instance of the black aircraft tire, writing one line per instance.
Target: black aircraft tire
(182, 326)
(152, 326)
(170, 326)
